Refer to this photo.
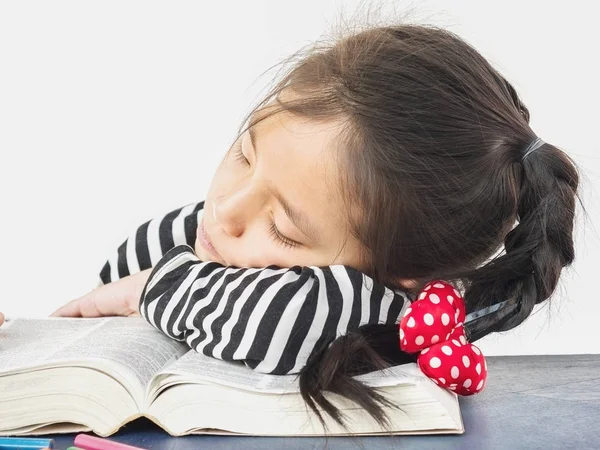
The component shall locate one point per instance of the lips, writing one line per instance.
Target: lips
(206, 242)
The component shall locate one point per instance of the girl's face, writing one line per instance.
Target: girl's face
(276, 199)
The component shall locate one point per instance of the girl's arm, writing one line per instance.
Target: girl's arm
(150, 241)
(270, 318)
(124, 274)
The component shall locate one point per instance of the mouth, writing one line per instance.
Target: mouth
(204, 239)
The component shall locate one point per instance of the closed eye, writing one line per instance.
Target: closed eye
(280, 238)
(273, 230)
(239, 155)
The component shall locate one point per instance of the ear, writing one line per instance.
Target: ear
(408, 283)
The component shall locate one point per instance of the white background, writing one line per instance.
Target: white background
(114, 112)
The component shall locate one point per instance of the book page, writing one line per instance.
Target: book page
(27, 343)
(131, 343)
(128, 341)
(196, 367)
(393, 376)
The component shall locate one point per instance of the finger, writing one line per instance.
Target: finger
(93, 304)
(80, 307)
(1, 319)
(108, 300)
(71, 309)
(90, 306)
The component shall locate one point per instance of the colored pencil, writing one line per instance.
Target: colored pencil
(88, 442)
(25, 443)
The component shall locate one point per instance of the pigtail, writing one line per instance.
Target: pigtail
(536, 250)
(332, 368)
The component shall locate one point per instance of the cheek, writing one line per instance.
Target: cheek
(267, 253)
(258, 250)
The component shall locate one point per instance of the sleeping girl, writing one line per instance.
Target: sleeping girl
(387, 170)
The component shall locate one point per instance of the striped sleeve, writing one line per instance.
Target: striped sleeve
(150, 241)
(272, 319)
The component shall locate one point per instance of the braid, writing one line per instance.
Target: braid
(536, 250)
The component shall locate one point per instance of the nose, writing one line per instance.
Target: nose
(236, 209)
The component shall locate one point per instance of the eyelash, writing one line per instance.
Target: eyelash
(279, 238)
(239, 155)
(273, 231)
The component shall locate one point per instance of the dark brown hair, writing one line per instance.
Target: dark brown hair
(432, 145)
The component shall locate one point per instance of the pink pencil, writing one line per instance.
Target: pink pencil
(88, 442)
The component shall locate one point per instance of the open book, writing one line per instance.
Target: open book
(62, 375)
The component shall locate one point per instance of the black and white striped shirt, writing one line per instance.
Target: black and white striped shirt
(270, 318)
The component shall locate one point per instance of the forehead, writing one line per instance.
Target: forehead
(298, 156)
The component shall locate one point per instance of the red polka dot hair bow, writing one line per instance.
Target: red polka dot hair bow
(433, 326)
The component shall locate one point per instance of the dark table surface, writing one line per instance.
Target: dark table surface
(530, 402)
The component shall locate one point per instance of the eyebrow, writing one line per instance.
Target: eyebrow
(298, 218)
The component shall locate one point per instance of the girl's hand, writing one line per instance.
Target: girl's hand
(119, 298)
(1, 319)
